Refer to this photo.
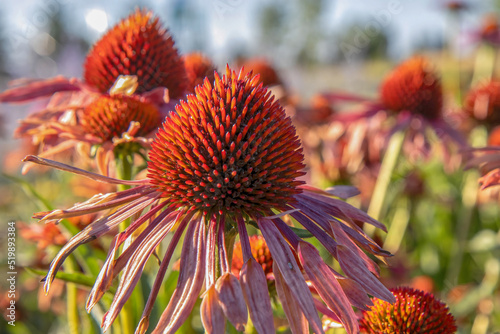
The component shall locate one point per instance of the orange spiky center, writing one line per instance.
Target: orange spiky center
(229, 147)
(413, 312)
(483, 102)
(268, 75)
(260, 252)
(197, 68)
(110, 116)
(139, 46)
(413, 86)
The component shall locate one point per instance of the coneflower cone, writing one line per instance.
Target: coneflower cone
(110, 116)
(415, 87)
(483, 102)
(228, 148)
(414, 312)
(198, 67)
(139, 46)
(260, 252)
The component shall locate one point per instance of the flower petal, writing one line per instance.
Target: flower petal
(282, 254)
(358, 272)
(254, 287)
(212, 315)
(327, 286)
(296, 318)
(232, 300)
(190, 282)
(39, 88)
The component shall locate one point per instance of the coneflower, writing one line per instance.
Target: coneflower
(137, 57)
(229, 157)
(413, 86)
(137, 46)
(414, 312)
(483, 103)
(198, 67)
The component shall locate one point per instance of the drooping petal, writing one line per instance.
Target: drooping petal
(212, 315)
(254, 287)
(282, 254)
(148, 240)
(93, 231)
(296, 318)
(144, 322)
(358, 272)
(39, 88)
(327, 286)
(78, 171)
(355, 293)
(232, 300)
(190, 282)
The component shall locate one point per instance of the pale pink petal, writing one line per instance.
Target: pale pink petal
(327, 286)
(296, 318)
(144, 322)
(282, 254)
(212, 315)
(190, 282)
(354, 269)
(148, 240)
(74, 170)
(232, 300)
(254, 286)
(91, 232)
(38, 89)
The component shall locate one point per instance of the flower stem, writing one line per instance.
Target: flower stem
(72, 303)
(124, 162)
(384, 178)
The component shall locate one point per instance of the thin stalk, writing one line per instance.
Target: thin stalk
(469, 200)
(384, 178)
(124, 163)
(398, 227)
(72, 302)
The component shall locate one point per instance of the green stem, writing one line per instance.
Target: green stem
(72, 302)
(469, 199)
(398, 227)
(384, 178)
(124, 163)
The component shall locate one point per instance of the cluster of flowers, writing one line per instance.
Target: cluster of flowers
(222, 154)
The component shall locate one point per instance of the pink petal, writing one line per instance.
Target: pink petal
(212, 315)
(358, 272)
(296, 318)
(282, 254)
(40, 88)
(144, 322)
(190, 282)
(149, 239)
(355, 293)
(93, 176)
(232, 300)
(327, 286)
(254, 286)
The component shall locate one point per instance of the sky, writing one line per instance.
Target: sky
(219, 26)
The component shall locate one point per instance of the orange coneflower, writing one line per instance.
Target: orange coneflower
(135, 62)
(483, 103)
(414, 312)
(198, 67)
(228, 157)
(412, 97)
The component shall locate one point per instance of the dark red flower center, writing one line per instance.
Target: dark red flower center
(413, 86)
(228, 147)
(110, 116)
(139, 46)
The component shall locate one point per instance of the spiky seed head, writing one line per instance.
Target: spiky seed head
(413, 86)
(483, 102)
(229, 147)
(110, 116)
(139, 46)
(198, 67)
(414, 311)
